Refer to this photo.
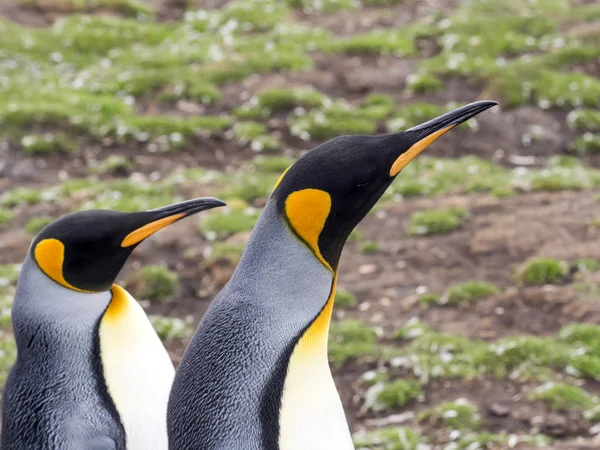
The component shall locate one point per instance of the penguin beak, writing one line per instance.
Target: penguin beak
(159, 218)
(428, 132)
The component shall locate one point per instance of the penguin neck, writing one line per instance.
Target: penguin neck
(276, 263)
(43, 307)
(310, 413)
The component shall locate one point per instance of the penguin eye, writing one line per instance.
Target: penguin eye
(364, 183)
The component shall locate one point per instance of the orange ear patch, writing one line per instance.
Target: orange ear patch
(307, 211)
(50, 256)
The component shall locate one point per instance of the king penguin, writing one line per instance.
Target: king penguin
(91, 372)
(255, 375)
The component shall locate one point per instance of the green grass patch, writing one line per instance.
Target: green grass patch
(229, 252)
(6, 215)
(389, 438)
(21, 196)
(114, 165)
(460, 414)
(154, 283)
(398, 42)
(171, 328)
(227, 222)
(467, 292)
(48, 144)
(562, 396)
(350, 339)
(370, 247)
(36, 224)
(540, 271)
(273, 100)
(127, 7)
(398, 393)
(587, 144)
(584, 119)
(436, 221)
(345, 298)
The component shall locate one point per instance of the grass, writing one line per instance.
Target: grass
(351, 339)
(561, 396)
(228, 222)
(389, 438)
(21, 196)
(573, 351)
(225, 251)
(114, 165)
(397, 393)
(36, 224)
(5, 216)
(467, 292)
(587, 144)
(154, 283)
(345, 298)
(48, 144)
(128, 7)
(540, 271)
(457, 415)
(171, 328)
(436, 221)
(370, 247)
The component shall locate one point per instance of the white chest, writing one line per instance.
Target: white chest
(311, 415)
(137, 370)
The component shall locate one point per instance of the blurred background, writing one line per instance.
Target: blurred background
(468, 308)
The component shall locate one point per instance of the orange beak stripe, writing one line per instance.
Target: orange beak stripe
(416, 148)
(142, 233)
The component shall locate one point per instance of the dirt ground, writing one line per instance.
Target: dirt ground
(500, 235)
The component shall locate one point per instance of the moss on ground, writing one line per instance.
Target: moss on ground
(397, 393)
(350, 339)
(154, 283)
(467, 292)
(389, 438)
(5, 216)
(460, 414)
(171, 328)
(48, 143)
(36, 224)
(370, 247)
(126, 7)
(344, 298)
(562, 396)
(540, 271)
(227, 222)
(436, 221)
(571, 352)
(223, 250)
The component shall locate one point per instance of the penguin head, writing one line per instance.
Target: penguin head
(330, 189)
(86, 250)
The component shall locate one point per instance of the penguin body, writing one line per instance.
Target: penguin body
(253, 324)
(91, 372)
(255, 375)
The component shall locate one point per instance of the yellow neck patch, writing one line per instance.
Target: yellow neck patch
(280, 178)
(118, 305)
(50, 256)
(307, 211)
